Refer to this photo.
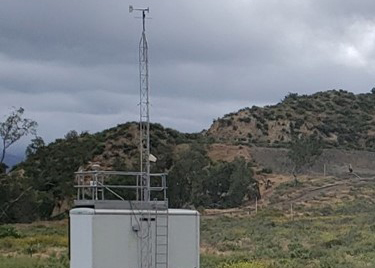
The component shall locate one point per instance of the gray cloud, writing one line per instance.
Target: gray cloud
(73, 64)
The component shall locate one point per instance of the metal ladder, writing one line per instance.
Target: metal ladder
(161, 238)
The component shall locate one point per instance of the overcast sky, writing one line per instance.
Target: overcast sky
(74, 64)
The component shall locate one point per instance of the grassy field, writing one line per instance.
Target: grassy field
(39, 245)
(344, 238)
(333, 225)
(340, 233)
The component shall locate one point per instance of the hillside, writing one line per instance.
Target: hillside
(253, 213)
(330, 225)
(49, 170)
(222, 167)
(43, 185)
(342, 119)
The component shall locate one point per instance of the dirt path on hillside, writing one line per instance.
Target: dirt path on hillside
(307, 194)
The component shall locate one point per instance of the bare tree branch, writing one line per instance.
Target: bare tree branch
(8, 205)
(14, 128)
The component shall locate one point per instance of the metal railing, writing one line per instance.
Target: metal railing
(118, 185)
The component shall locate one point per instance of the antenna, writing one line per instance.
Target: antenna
(146, 244)
(144, 103)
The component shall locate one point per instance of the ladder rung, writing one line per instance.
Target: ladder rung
(161, 250)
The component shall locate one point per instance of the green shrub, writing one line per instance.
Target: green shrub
(267, 170)
(9, 231)
(297, 251)
(243, 264)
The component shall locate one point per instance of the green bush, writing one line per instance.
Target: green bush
(266, 170)
(242, 264)
(8, 231)
(297, 251)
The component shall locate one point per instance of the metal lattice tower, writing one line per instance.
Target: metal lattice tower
(144, 103)
(145, 232)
